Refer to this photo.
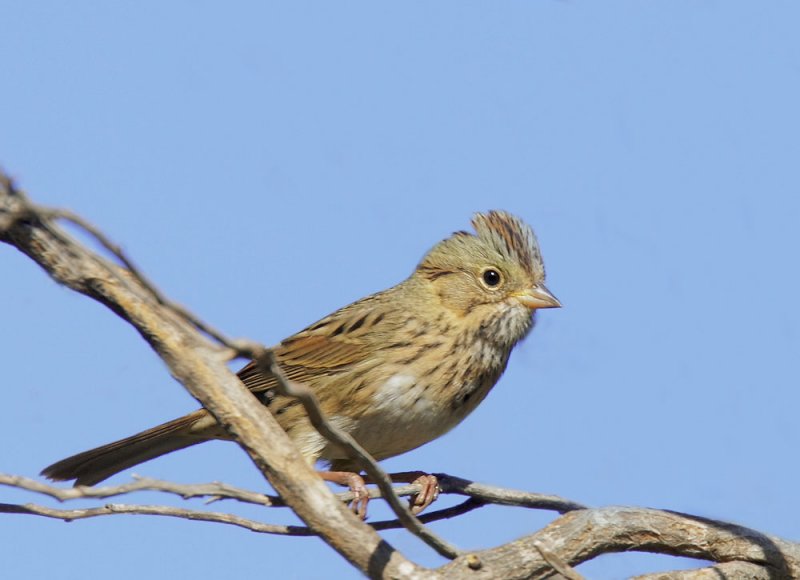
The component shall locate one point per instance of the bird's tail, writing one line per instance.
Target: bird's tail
(95, 465)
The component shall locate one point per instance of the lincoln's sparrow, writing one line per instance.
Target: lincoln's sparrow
(395, 369)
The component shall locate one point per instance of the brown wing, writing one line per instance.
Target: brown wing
(333, 344)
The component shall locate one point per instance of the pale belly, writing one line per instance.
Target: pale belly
(404, 415)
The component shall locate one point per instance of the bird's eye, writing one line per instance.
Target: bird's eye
(491, 277)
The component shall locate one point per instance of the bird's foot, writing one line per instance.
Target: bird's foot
(426, 496)
(357, 486)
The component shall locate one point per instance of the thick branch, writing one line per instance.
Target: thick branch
(727, 570)
(265, 359)
(200, 367)
(584, 534)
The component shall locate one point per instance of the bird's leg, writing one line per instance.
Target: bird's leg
(357, 486)
(426, 496)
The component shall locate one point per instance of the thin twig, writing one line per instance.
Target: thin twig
(155, 510)
(503, 496)
(214, 490)
(434, 516)
(69, 515)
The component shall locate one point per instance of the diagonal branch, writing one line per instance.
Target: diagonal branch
(200, 366)
(267, 364)
(128, 263)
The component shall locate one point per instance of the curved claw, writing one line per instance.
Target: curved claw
(356, 485)
(360, 496)
(428, 494)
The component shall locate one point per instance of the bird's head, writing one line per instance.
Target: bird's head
(494, 277)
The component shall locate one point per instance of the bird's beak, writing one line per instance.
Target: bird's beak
(538, 297)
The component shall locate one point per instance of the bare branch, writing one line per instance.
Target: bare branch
(213, 490)
(154, 510)
(257, 352)
(584, 534)
(69, 515)
(436, 515)
(502, 496)
(200, 366)
(569, 540)
(117, 251)
(267, 364)
(479, 495)
(729, 570)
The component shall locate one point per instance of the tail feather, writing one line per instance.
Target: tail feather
(95, 465)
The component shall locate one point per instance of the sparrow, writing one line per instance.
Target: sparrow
(395, 369)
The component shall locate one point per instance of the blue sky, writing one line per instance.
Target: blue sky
(267, 163)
